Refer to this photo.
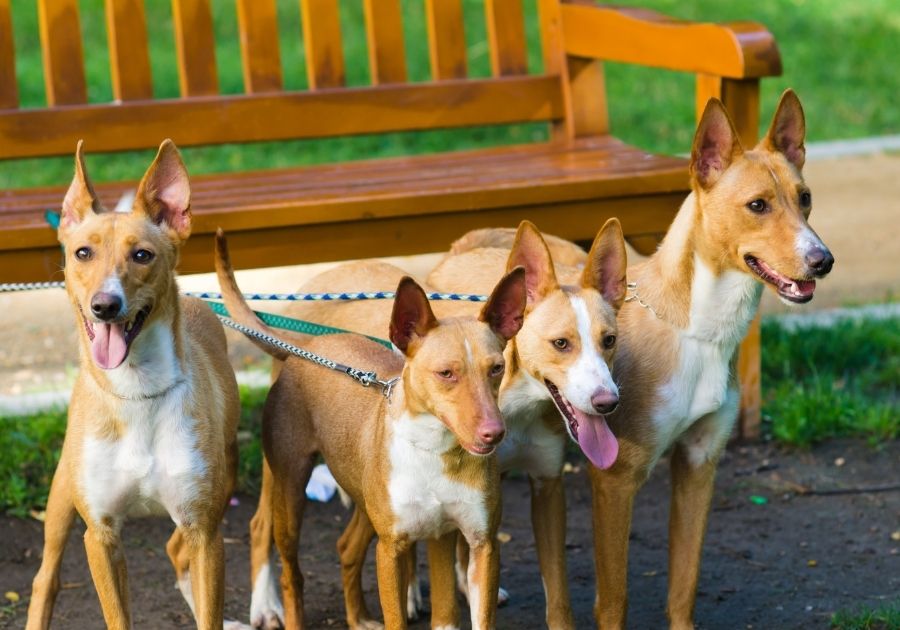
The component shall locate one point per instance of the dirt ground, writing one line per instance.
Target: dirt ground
(788, 563)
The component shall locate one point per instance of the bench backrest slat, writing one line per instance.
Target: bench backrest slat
(324, 44)
(260, 53)
(384, 35)
(129, 56)
(61, 45)
(506, 35)
(9, 89)
(195, 47)
(446, 39)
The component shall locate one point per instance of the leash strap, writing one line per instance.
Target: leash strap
(334, 297)
(366, 379)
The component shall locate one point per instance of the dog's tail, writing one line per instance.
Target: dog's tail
(236, 304)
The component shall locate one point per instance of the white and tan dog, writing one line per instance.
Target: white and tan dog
(557, 384)
(742, 228)
(154, 411)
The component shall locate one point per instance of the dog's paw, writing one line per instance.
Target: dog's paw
(267, 620)
(415, 603)
(368, 624)
(231, 624)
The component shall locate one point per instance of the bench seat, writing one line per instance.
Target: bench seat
(570, 188)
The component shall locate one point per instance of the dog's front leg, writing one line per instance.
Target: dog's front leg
(207, 576)
(106, 560)
(57, 524)
(442, 575)
(392, 566)
(484, 581)
(612, 501)
(352, 547)
(548, 518)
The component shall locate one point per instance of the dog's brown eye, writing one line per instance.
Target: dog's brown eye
(497, 369)
(84, 253)
(561, 344)
(445, 374)
(806, 199)
(142, 256)
(758, 206)
(609, 341)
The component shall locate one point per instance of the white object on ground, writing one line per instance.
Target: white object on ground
(321, 486)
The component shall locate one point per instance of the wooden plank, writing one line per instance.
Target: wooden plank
(506, 36)
(446, 39)
(323, 43)
(195, 47)
(260, 53)
(9, 89)
(628, 35)
(741, 99)
(60, 31)
(402, 235)
(587, 94)
(129, 56)
(251, 118)
(384, 33)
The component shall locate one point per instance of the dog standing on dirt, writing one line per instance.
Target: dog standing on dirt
(743, 227)
(153, 416)
(416, 461)
(556, 387)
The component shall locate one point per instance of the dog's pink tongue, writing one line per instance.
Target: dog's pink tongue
(109, 347)
(596, 440)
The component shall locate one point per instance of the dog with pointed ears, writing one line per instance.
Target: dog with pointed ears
(744, 227)
(417, 462)
(154, 410)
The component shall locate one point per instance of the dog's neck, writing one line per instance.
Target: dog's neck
(420, 430)
(687, 291)
(156, 362)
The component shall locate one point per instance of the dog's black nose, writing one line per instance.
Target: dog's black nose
(106, 306)
(820, 261)
(604, 401)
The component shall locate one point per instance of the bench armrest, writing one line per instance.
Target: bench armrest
(736, 50)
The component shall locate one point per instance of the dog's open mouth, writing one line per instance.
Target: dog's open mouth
(110, 341)
(590, 432)
(797, 291)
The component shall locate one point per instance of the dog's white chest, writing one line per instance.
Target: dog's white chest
(424, 501)
(155, 468)
(721, 310)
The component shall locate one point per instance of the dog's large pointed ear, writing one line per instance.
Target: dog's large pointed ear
(164, 193)
(412, 316)
(606, 264)
(716, 144)
(530, 251)
(80, 198)
(505, 309)
(788, 130)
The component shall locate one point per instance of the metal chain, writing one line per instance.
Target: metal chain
(364, 378)
(10, 287)
(634, 297)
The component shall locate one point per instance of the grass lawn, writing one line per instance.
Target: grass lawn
(838, 55)
(817, 383)
(885, 617)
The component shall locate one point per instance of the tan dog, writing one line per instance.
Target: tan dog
(416, 464)
(154, 410)
(743, 227)
(558, 380)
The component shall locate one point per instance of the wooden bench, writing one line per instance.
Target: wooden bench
(569, 185)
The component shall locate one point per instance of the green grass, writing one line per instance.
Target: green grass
(827, 382)
(885, 617)
(838, 55)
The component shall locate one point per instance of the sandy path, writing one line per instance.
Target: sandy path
(856, 212)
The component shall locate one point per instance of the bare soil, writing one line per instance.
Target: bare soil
(788, 563)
